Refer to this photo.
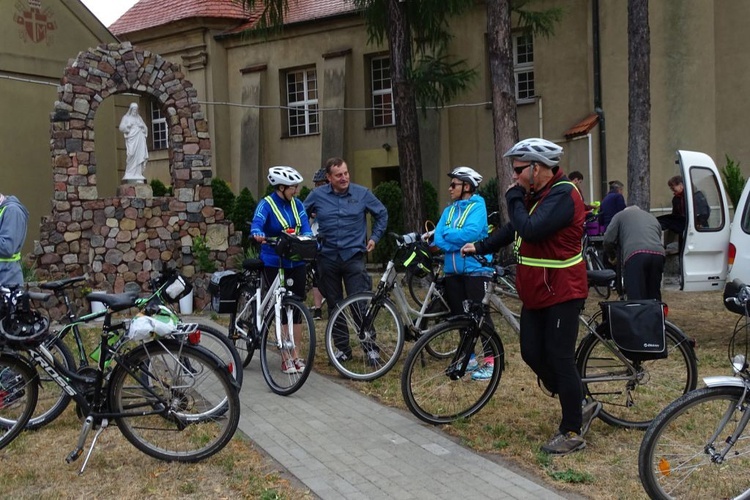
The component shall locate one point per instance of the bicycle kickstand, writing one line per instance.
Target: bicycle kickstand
(75, 454)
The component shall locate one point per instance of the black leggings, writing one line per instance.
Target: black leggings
(548, 346)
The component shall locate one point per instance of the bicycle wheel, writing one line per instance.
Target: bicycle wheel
(245, 345)
(179, 402)
(220, 345)
(18, 393)
(367, 337)
(440, 390)
(52, 399)
(419, 286)
(286, 367)
(632, 398)
(679, 455)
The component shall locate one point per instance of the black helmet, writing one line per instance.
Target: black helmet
(21, 327)
(320, 176)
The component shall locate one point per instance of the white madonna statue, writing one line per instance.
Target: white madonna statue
(135, 131)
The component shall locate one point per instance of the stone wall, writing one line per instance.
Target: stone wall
(127, 239)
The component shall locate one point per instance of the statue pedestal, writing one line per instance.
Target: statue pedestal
(133, 190)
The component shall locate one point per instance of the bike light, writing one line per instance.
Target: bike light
(738, 363)
(666, 310)
(194, 338)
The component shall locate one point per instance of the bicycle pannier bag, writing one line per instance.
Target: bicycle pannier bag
(224, 290)
(297, 248)
(637, 328)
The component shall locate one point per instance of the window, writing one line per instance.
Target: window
(523, 65)
(382, 93)
(302, 99)
(159, 135)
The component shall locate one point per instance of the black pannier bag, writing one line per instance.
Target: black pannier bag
(224, 290)
(297, 248)
(636, 327)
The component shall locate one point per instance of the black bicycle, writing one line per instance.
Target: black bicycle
(171, 400)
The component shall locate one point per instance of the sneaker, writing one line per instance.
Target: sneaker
(317, 313)
(590, 412)
(484, 372)
(342, 357)
(562, 444)
(299, 364)
(473, 364)
(373, 359)
(288, 367)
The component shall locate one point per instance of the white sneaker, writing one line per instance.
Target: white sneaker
(300, 365)
(288, 367)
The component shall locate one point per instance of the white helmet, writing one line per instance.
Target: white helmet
(466, 174)
(283, 176)
(536, 150)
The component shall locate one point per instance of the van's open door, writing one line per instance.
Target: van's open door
(704, 254)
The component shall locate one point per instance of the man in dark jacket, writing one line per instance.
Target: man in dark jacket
(546, 214)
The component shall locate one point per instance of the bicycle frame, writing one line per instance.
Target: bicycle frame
(276, 293)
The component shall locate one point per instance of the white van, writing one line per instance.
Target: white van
(703, 260)
(739, 240)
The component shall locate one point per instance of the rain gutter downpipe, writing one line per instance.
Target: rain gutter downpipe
(598, 97)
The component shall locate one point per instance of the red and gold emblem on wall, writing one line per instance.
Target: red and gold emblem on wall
(36, 22)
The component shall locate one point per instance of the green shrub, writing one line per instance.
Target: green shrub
(488, 191)
(734, 181)
(389, 193)
(159, 189)
(303, 192)
(202, 255)
(223, 195)
(242, 214)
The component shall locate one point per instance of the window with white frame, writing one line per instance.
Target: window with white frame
(523, 66)
(383, 113)
(159, 132)
(302, 100)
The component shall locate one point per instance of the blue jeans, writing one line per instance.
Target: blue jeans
(333, 276)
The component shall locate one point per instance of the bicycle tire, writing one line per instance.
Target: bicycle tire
(52, 400)
(674, 459)
(18, 394)
(198, 408)
(594, 263)
(219, 344)
(271, 355)
(344, 333)
(634, 402)
(245, 345)
(419, 286)
(432, 389)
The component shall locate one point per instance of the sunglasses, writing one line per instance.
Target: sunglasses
(519, 170)
(453, 185)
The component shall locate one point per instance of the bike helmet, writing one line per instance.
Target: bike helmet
(320, 176)
(536, 150)
(284, 176)
(21, 327)
(466, 174)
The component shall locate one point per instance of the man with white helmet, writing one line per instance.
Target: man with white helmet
(464, 221)
(341, 209)
(546, 214)
(281, 212)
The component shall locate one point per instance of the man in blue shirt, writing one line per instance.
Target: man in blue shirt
(341, 209)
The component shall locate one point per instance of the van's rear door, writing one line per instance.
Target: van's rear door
(704, 253)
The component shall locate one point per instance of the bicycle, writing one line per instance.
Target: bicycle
(371, 327)
(53, 400)
(698, 447)
(593, 254)
(440, 390)
(172, 401)
(259, 320)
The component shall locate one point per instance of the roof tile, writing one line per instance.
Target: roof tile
(583, 127)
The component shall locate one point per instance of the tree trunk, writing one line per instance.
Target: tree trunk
(407, 122)
(504, 116)
(639, 105)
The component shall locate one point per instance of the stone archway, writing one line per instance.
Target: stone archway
(123, 239)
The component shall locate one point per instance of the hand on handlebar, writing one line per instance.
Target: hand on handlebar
(468, 249)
